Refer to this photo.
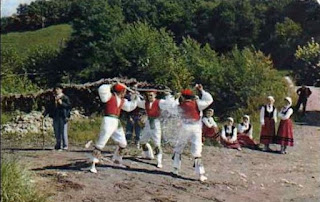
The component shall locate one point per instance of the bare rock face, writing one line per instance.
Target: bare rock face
(34, 123)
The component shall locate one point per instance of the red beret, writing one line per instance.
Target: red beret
(187, 92)
(119, 87)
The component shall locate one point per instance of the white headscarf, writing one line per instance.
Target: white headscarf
(271, 98)
(247, 116)
(230, 119)
(289, 100)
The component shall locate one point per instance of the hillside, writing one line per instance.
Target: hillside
(22, 41)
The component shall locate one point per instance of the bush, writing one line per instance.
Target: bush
(145, 53)
(239, 80)
(308, 63)
(41, 65)
(16, 184)
(81, 131)
(11, 63)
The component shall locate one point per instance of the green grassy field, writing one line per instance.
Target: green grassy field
(53, 36)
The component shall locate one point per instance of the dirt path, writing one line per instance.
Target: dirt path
(246, 175)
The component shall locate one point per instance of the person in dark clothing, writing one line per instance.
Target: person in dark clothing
(304, 93)
(59, 110)
(134, 121)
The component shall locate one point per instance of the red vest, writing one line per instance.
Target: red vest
(190, 110)
(154, 110)
(112, 107)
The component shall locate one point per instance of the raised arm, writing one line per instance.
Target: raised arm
(141, 103)
(129, 105)
(168, 103)
(205, 101)
(105, 92)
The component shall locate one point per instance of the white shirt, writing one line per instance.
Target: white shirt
(229, 128)
(164, 104)
(209, 122)
(269, 109)
(245, 126)
(287, 115)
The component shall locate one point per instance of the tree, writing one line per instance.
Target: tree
(95, 25)
(308, 63)
(145, 53)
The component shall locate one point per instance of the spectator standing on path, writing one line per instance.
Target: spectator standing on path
(304, 93)
(59, 110)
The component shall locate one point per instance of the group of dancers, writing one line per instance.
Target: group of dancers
(190, 128)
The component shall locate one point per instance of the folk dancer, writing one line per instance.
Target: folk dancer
(209, 126)
(111, 127)
(285, 130)
(191, 128)
(268, 119)
(245, 130)
(152, 129)
(229, 135)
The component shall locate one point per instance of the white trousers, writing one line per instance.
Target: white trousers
(110, 128)
(190, 133)
(153, 133)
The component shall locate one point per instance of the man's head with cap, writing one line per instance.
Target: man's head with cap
(187, 94)
(120, 89)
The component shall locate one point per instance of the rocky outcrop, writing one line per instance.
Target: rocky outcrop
(33, 122)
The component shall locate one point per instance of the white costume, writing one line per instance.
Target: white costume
(110, 126)
(152, 129)
(191, 131)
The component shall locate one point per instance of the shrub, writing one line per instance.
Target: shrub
(308, 63)
(239, 80)
(16, 184)
(145, 53)
(11, 63)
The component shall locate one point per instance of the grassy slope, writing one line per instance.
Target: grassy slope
(22, 41)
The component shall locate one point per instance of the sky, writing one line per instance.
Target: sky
(9, 7)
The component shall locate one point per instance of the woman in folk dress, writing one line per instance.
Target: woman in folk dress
(209, 126)
(245, 130)
(285, 130)
(229, 135)
(268, 119)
